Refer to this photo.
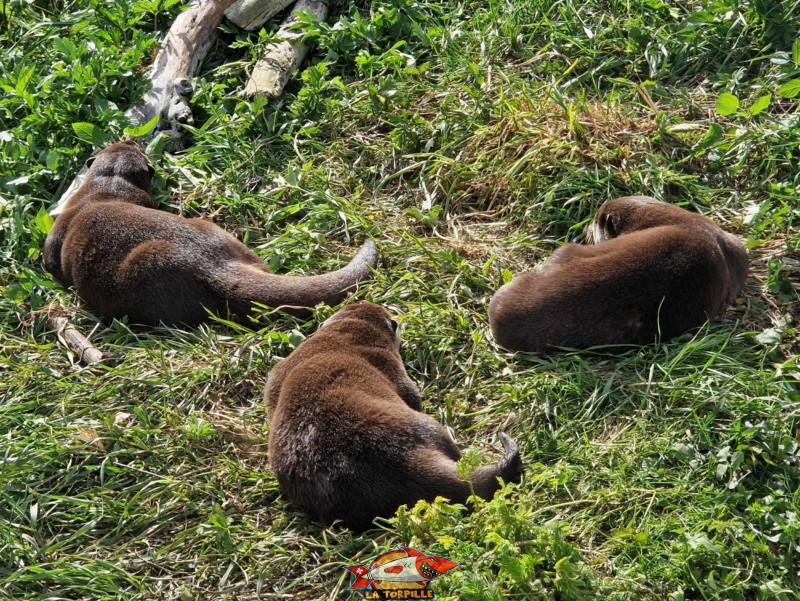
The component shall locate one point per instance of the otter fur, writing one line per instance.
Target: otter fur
(655, 271)
(126, 257)
(348, 439)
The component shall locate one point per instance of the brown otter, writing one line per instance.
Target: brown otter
(654, 270)
(125, 257)
(347, 436)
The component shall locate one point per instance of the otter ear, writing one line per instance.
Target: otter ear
(151, 170)
(611, 225)
(393, 327)
(89, 162)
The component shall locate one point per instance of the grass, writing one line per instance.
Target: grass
(470, 139)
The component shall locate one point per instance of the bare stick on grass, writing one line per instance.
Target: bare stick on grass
(70, 337)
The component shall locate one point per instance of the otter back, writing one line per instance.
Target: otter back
(347, 438)
(655, 271)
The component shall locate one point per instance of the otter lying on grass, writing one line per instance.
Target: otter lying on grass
(655, 270)
(348, 439)
(126, 257)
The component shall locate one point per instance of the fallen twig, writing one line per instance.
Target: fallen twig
(70, 337)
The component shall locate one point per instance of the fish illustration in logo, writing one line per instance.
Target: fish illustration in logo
(398, 567)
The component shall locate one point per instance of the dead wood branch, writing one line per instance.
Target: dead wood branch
(184, 48)
(252, 14)
(273, 71)
(76, 342)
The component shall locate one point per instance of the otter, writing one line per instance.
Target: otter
(126, 257)
(348, 439)
(655, 271)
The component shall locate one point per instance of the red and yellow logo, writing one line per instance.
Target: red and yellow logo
(402, 573)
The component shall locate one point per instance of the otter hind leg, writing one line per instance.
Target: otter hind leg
(425, 474)
(436, 474)
(381, 484)
(157, 287)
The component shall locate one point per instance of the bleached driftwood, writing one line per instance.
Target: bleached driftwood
(73, 187)
(87, 353)
(271, 73)
(183, 49)
(252, 14)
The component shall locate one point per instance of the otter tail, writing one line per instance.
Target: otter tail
(485, 479)
(246, 284)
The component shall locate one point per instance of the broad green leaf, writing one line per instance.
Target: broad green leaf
(727, 104)
(90, 133)
(796, 52)
(769, 336)
(713, 135)
(17, 181)
(15, 293)
(790, 89)
(43, 221)
(142, 130)
(24, 79)
(760, 105)
(52, 159)
(67, 48)
(23, 82)
(155, 148)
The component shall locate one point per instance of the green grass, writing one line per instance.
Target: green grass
(470, 139)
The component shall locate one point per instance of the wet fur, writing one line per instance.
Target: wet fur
(126, 257)
(655, 270)
(348, 439)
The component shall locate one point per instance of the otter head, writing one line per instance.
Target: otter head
(373, 314)
(620, 216)
(124, 160)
